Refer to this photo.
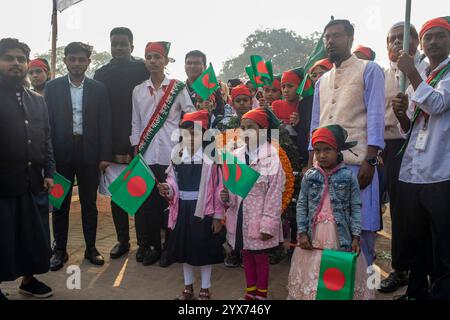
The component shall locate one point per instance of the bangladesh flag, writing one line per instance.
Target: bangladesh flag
(133, 186)
(263, 70)
(306, 89)
(256, 81)
(206, 84)
(238, 178)
(60, 190)
(337, 275)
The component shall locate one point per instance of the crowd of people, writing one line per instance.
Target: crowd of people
(338, 157)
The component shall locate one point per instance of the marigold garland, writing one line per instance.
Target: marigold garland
(290, 180)
(289, 184)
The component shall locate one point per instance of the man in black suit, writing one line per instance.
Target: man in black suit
(121, 75)
(80, 121)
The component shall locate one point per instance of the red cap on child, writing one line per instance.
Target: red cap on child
(259, 115)
(326, 136)
(240, 90)
(198, 116)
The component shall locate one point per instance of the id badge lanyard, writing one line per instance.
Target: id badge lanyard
(422, 138)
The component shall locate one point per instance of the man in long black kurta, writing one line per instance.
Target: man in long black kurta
(26, 153)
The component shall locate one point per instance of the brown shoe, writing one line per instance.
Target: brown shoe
(186, 295)
(204, 295)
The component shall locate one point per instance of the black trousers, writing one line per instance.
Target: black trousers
(392, 163)
(424, 213)
(150, 218)
(88, 180)
(121, 223)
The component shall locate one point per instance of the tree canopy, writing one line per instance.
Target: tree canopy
(285, 48)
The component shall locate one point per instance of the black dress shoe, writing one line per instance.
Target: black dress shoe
(140, 254)
(94, 256)
(165, 260)
(151, 256)
(394, 282)
(119, 250)
(36, 289)
(59, 258)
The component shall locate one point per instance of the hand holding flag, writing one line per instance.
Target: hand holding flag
(225, 196)
(164, 189)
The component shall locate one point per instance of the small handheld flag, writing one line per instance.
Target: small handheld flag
(262, 71)
(337, 275)
(256, 81)
(206, 84)
(306, 88)
(60, 190)
(133, 186)
(238, 178)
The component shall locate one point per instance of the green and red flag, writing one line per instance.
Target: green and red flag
(60, 190)
(206, 84)
(262, 71)
(238, 177)
(337, 275)
(133, 186)
(306, 88)
(256, 81)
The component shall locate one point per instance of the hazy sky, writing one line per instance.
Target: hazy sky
(216, 27)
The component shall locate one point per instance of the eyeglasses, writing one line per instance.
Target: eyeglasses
(9, 58)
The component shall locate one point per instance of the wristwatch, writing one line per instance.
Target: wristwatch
(373, 161)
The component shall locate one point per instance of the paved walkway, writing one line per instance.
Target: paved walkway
(125, 279)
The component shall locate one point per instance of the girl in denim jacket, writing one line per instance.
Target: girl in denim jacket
(328, 216)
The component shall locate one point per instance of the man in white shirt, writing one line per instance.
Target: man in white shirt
(394, 142)
(424, 189)
(158, 106)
